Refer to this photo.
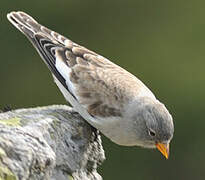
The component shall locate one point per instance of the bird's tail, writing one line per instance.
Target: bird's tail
(43, 39)
(30, 27)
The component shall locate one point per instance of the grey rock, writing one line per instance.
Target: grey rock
(48, 143)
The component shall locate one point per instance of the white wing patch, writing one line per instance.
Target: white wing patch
(64, 70)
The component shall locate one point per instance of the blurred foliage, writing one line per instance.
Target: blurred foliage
(161, 42)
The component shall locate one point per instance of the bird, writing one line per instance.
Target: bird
(108, 97)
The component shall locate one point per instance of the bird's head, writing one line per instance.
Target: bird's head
(153, 125)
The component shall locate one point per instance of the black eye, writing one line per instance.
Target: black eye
(152, 133)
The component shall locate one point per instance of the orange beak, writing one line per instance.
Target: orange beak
(163, 148)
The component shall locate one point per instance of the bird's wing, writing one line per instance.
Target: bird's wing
(101, 86)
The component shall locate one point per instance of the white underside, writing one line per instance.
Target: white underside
(110, 127)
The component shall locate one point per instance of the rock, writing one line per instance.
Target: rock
(48, 143)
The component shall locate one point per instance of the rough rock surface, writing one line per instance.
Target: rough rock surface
(48, 143)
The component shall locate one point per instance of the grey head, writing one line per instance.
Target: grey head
(152, 124)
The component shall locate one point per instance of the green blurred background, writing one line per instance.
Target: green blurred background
(162, 42)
